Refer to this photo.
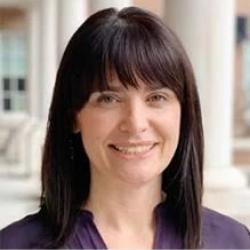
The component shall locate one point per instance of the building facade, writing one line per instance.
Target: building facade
(33, 35)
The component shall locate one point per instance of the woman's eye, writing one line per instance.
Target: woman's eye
(107, 99)
(157, 98)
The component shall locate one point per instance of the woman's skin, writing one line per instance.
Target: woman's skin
(130, 135)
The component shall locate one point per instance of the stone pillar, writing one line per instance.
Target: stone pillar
(96, 5)
(33, 60)
(71, 15)
(219, 101)
(206, 29)
(189, 20)
(48, 53)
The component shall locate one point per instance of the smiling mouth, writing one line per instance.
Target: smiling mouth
(133, 150)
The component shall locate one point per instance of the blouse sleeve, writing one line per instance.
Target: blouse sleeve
(220, 231)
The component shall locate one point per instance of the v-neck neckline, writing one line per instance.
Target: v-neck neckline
(99, 242)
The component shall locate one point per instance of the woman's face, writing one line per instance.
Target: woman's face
(130, 134)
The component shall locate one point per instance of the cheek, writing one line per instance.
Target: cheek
(171, 128)
(176, 124)
(170, 131)
(94, 128)
(173, 120)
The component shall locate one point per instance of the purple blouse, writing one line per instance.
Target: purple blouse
(218, 231)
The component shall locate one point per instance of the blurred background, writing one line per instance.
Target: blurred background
(216, 35)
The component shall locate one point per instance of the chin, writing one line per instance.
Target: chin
(140, 179)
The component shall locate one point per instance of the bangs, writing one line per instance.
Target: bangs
(130, 49)
(133, 54)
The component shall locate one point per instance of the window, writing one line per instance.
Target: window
(14, 95)
(7, 104)
(6, 84)
(21, 84)
(13, 60)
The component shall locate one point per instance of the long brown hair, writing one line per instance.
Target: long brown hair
(134, 44)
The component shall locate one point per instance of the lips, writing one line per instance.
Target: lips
(133, 149)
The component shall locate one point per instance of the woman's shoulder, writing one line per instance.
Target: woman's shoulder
(221, 231)
(28, 232)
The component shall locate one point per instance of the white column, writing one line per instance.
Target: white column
(71, 15)
(189, 19)
(33, 60)
(48, 56)
(219, 101)
(96, 5)
(206, 29)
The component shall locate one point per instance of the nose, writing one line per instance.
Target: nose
(134, 119)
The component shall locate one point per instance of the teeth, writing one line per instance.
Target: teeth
(133, 149)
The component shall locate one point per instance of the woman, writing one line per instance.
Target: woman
(123, 156)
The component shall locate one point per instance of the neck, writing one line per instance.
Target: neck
(122, 206)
